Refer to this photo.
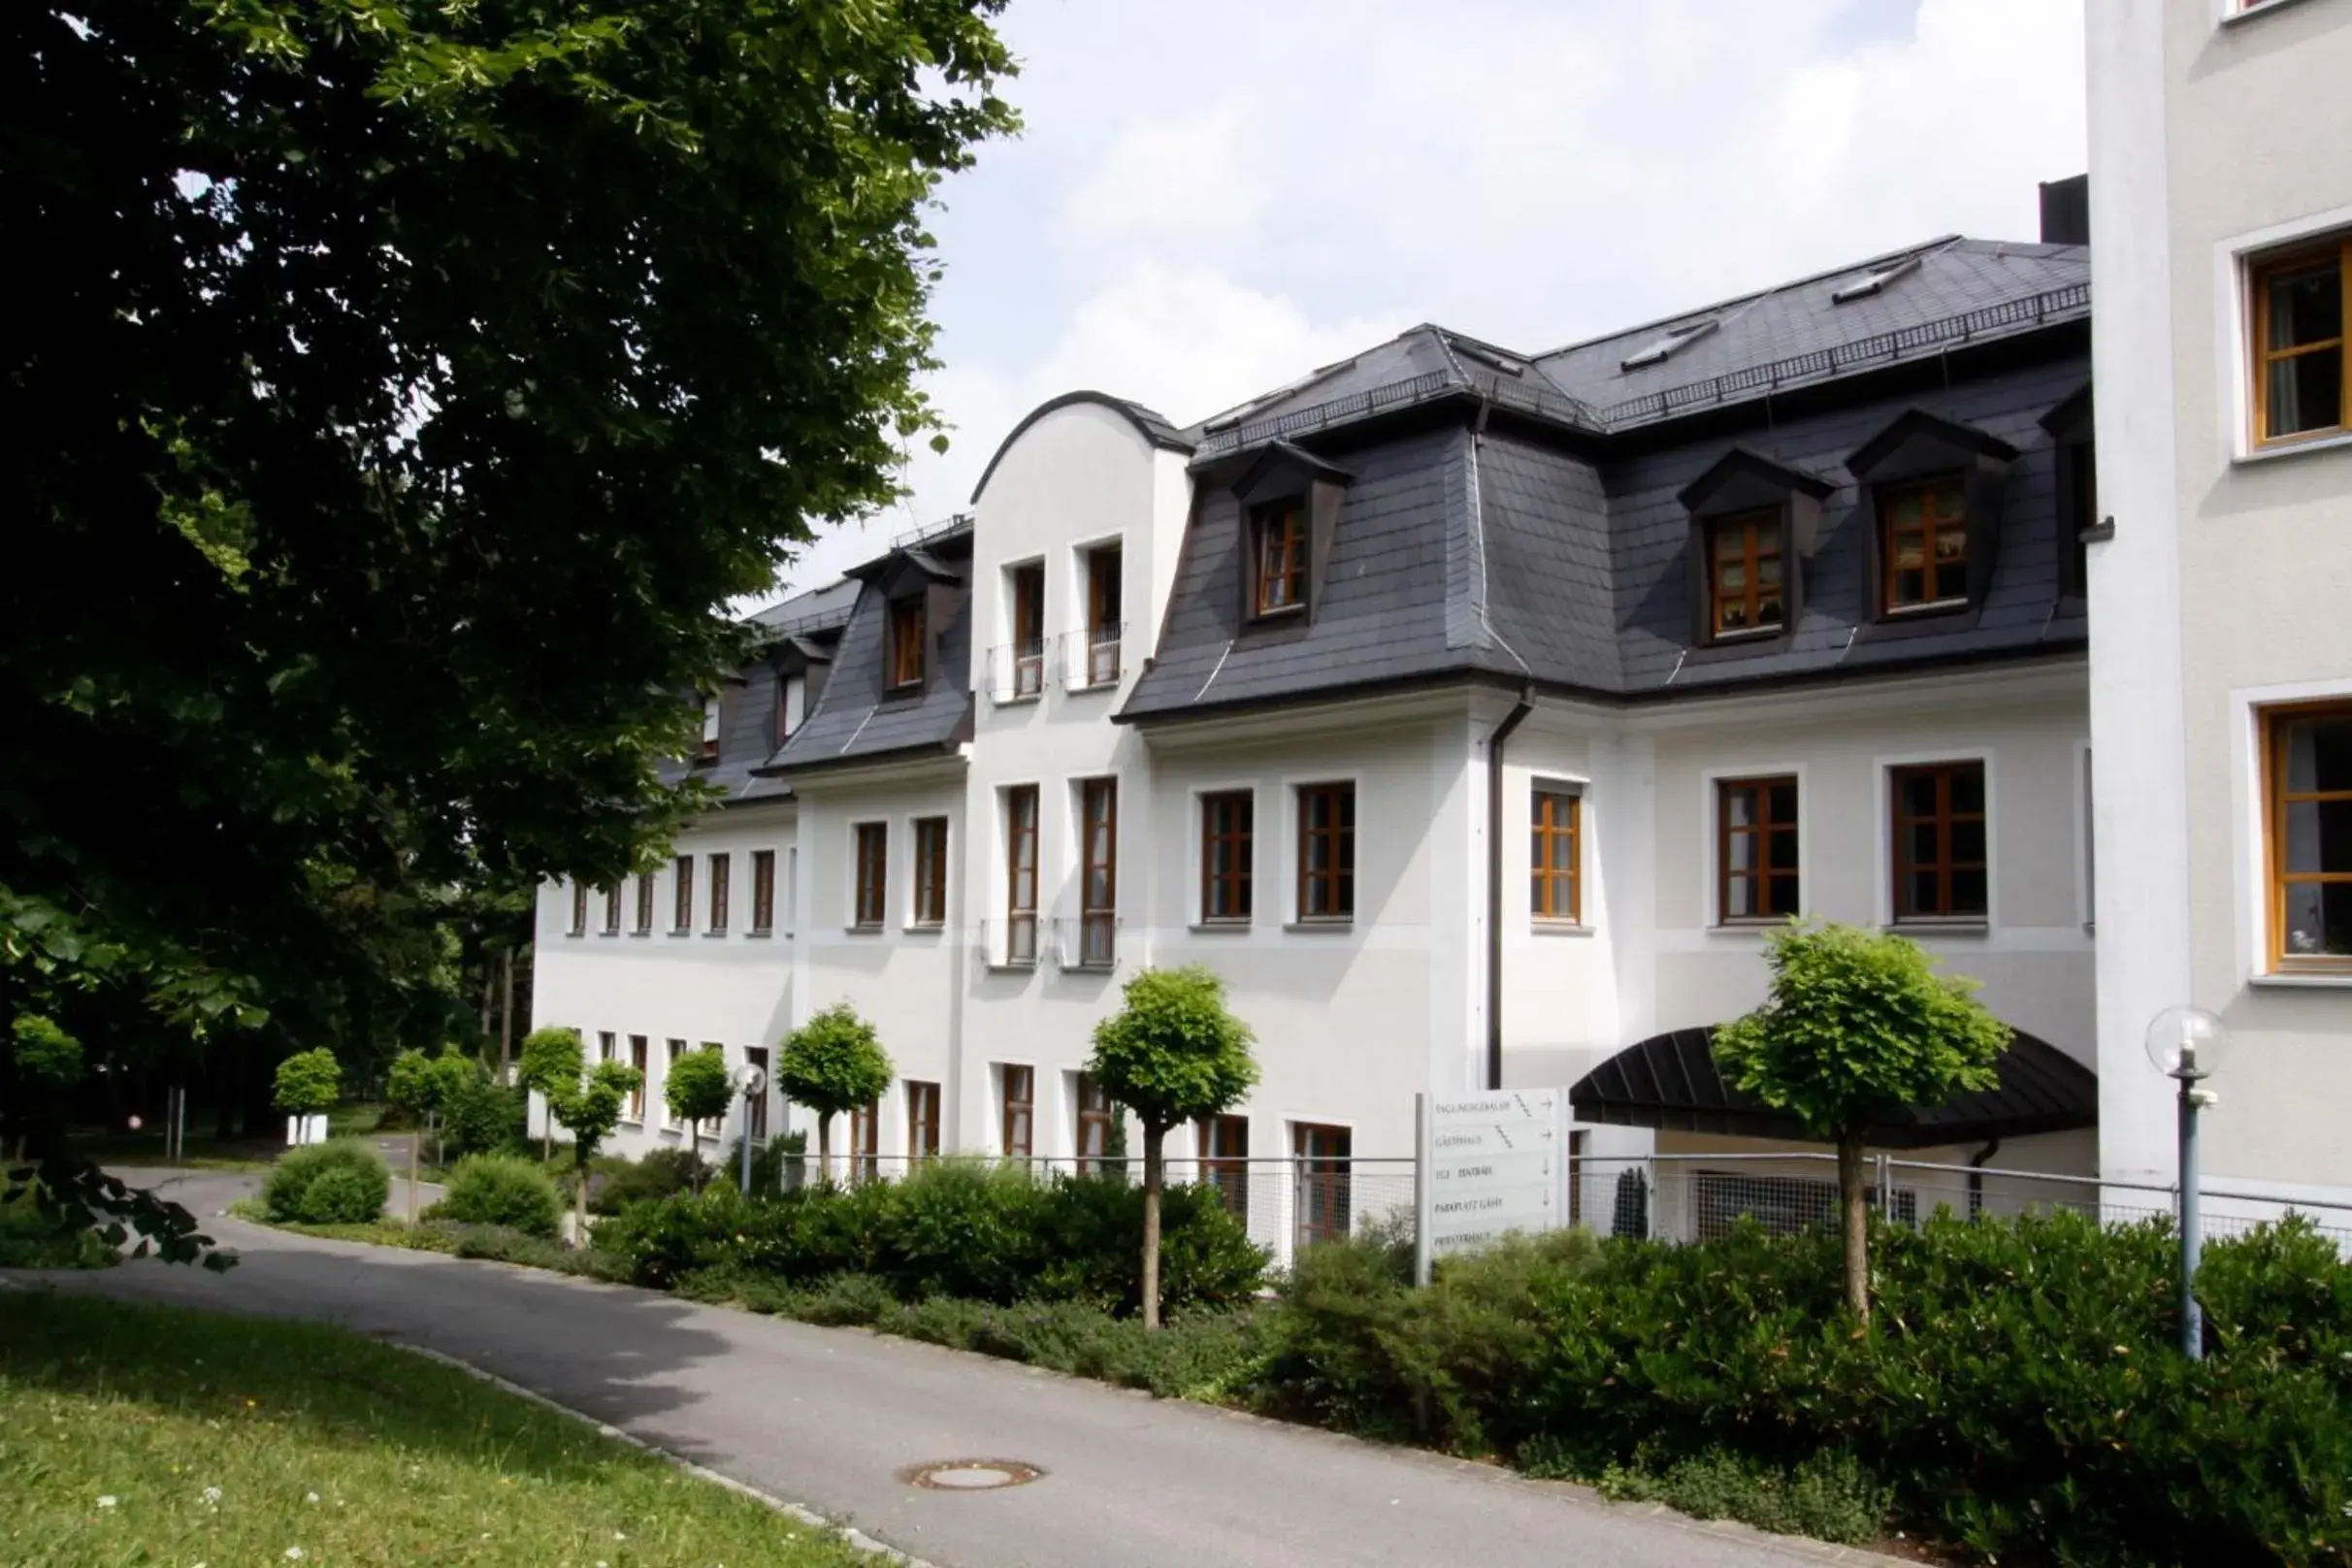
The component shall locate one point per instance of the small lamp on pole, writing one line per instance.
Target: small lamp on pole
(749, 1080)
(2187, 1044)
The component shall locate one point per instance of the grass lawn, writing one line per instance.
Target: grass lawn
(147, 1435)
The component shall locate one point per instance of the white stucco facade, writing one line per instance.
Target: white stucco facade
(2220, 134)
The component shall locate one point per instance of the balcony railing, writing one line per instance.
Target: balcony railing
(1016, 672)
(1009, 942)
(1087, 941)
(1091, 658)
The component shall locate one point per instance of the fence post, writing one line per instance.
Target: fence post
(1421, 1196)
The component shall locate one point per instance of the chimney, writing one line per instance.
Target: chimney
(2066, 211)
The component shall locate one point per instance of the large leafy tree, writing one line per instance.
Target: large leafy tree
(1171, 1053)
(406, 389)
(1859, 1024)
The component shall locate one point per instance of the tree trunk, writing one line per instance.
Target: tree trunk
(505, 1019)
(579, 1202)
(824, 1147)
(417, 1136)
(1855, 1214)
(1155, 1138)
(694, 1151)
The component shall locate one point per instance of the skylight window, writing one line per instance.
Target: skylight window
(1675, 340)
(1862, 289)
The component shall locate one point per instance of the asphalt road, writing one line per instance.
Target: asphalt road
(827, 1417)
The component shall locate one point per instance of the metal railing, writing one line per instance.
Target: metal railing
(1016, 670)
(1092, 657)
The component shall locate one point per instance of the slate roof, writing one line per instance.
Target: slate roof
(854, 719)
(1553, 545)
(1670, 1081)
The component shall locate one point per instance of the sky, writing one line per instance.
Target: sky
(1210, 199)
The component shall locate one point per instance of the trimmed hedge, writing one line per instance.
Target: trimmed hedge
(343, 1182)
(501, 1189)
(2018, 1391)
(954, 1228)
(627, 1182)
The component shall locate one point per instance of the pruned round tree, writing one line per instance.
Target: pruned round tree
(1172, 1053)
(833, 1063)
(307, 1083)
(553, 1058)
(696, 1089)
(590, 1108)
(1859, 1024)
(413, 1086)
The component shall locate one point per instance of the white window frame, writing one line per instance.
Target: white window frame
(995, 919)
(902, 891)
(1884, 831)
(996, 1105)
(2233, 262)
(1197, 848)
(1290, 784)
(1711, 835)
(793, 681)
(2251, 862)
(849, 880)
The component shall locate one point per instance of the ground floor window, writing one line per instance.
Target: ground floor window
(1224, 1153)
(756, 1107)
(2308, 829)
(922, 1118)
(866, 1142)
(1322, 1201)
(1020, 1107)
(1096, 1118)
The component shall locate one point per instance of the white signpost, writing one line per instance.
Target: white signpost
(1488, 1165)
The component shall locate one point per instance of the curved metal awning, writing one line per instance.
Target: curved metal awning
(1668, 1082)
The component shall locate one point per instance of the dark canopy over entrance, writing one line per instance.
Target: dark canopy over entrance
(1669, 1081)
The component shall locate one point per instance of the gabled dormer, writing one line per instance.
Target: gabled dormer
(800, 665)
(920, 591)
(1289, 503)
(1754, 521)
(1930, 493)
(2069, 429)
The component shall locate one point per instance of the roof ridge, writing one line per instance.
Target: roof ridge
(1752, 296)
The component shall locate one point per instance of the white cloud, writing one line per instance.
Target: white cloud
(1215, 196)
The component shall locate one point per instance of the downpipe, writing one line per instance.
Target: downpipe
(1494, 881)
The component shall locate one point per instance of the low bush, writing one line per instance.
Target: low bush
(482, 1117)
(501, 1189)
(2018, 1389)
(31, 1239)
(1829, 1498)
(337, 1183)
(955, 1229)
(616, 1183)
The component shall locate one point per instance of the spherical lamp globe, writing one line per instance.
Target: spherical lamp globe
(2188, 1042)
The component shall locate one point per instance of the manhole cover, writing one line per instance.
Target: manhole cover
(970, 1475)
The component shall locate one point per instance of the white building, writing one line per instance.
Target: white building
(2221, 689)
(1472, 713)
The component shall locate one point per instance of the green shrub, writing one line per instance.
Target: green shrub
(480, 1116)
(501, 1189)
(1829, 1498)
(31, 1239)
(2018, 1393)
(662, 1172)
(337, 1183)
(972, 1231)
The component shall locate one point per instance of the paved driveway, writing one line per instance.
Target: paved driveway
(827, 1417)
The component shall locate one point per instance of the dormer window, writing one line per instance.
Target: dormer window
(792, 703)
(905, 644)
(1923, 544)
(1744, 573)
(1279, 528)
(708, 752)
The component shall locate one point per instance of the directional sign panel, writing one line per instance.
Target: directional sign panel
(1493, 1163)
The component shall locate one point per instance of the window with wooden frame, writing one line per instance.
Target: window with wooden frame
(1225, 1161)
(922, 1120)
(1756, 877)
(1096, 1118)
(681, 898)
(931, 871)
(638, 1059)
(670, 1063)
(721, 893)
(1744, 573)
(1105, 620)
(1228, 824)
(1326, 852)
(2308, 836)
(1940, 847)
(763, 892)
(1029, 629)
(1923, 544)
(608, 1045)
(1021, 874)
(755, 1106)
(1018, 1127)
(1098, 873)
(707, 752)
(645, 903)
(906, 648)
(1278, 531)
(872, 890)
(1323, 1204)
(580, 908)
(2302, 378)
(866, 1141)
(792, 705)
(612, 908)
(1556, 856)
